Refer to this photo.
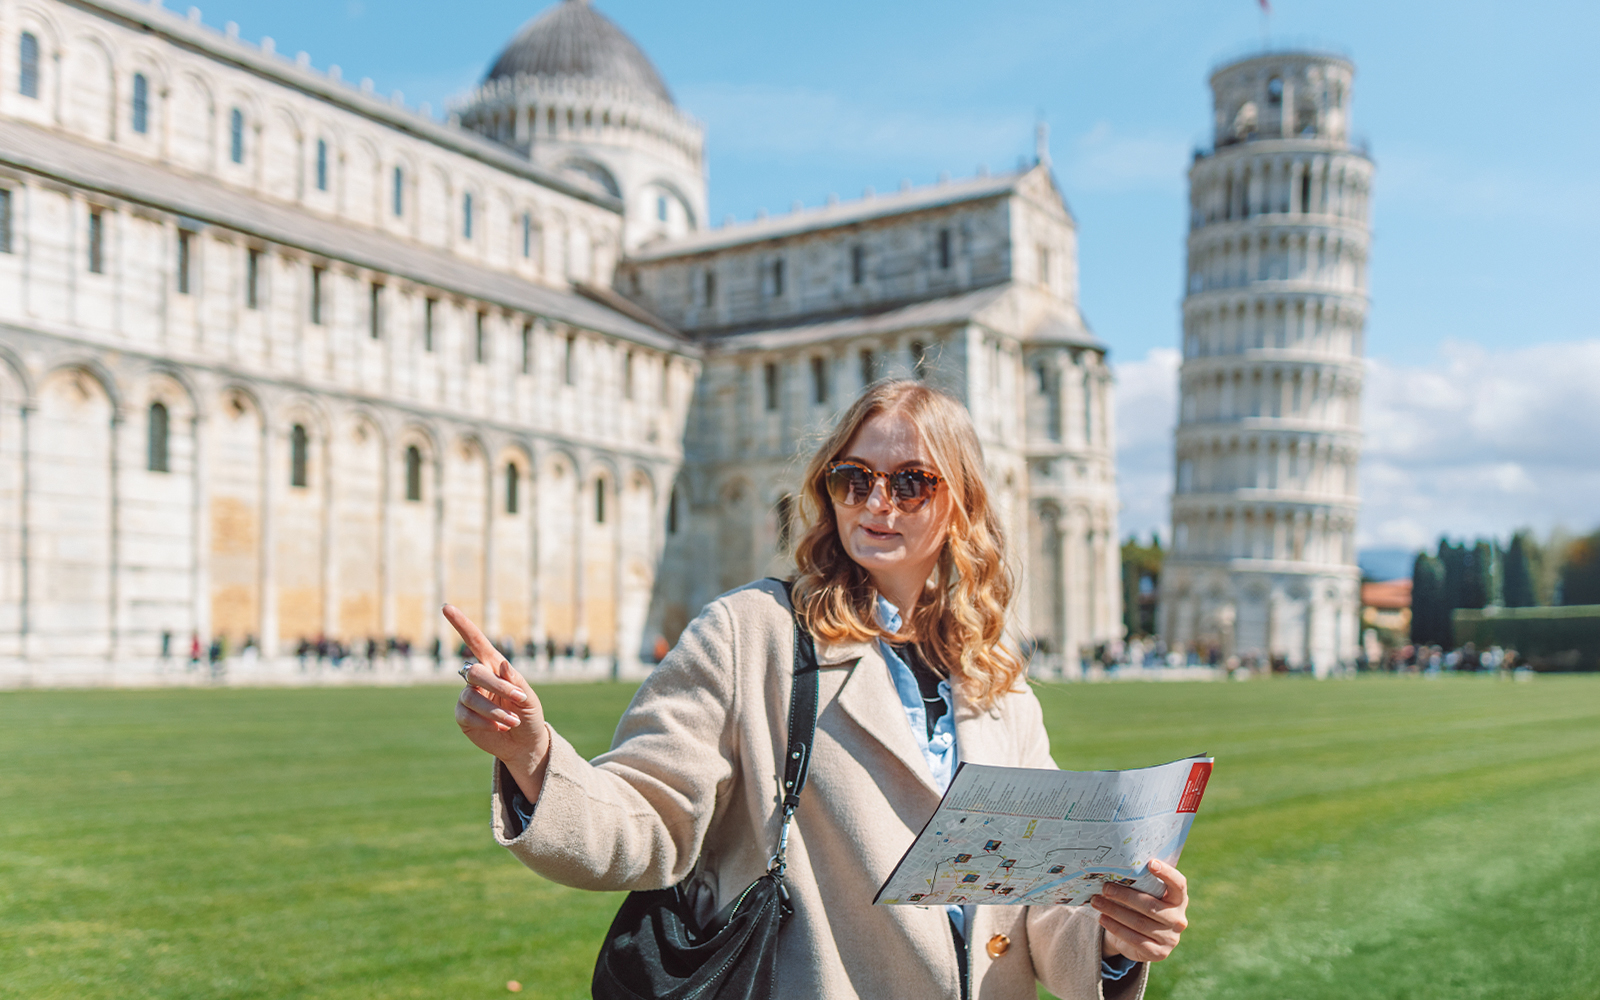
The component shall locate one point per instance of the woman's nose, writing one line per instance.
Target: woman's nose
(878, 498)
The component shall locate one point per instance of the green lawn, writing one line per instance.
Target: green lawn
(1373, 838)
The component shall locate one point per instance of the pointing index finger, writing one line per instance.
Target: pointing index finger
(476, 641)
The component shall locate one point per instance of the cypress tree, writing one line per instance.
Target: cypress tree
(1453, 560)
(1518, 573)
(1430, 617)
(1480, 584)
(1130, 589)
(1580, 572)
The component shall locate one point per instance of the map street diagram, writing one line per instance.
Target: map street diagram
(1028, 835)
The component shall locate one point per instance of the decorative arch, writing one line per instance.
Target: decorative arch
(677, 192)
(11, 364)
(92, 368)
(593, 171)
(192, 113)
(281, 137)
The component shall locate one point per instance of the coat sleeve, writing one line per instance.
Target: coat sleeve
(636, 817)
(1064, 941)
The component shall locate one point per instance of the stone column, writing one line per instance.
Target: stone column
(536, 627)
(26, 644)
(491, 602)
(115, 617)
(580, 588)
(330, 580)
(267, 635)
(201, 578)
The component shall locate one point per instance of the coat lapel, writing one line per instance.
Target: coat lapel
(974, 739)
(868, 696)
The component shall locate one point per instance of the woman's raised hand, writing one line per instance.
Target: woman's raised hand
(499, 711)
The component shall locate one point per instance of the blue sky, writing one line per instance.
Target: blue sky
(1481, 117)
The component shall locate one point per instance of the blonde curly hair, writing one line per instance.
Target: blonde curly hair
(959, 622)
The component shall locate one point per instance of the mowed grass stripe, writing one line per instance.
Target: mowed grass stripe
(1387, 837)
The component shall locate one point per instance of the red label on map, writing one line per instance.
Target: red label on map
(1194, 787)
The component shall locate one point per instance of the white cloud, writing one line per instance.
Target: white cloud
(1481, 442)
(1476, 442)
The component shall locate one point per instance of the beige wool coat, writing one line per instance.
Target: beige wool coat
(691, 785)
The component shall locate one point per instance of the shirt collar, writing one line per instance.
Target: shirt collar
(888, 614)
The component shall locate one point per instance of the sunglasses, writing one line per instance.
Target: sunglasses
(849, 484)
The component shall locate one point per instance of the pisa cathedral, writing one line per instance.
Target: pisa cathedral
(1263, 560)
(281, 358)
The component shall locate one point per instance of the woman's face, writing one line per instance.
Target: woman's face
(898, 550)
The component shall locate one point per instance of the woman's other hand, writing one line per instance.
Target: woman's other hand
(1140, 926)
(499, 711)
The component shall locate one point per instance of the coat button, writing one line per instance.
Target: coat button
(998, 945)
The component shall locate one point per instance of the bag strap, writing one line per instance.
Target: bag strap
(802, 727)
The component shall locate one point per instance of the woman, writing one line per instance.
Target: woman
(902, 582)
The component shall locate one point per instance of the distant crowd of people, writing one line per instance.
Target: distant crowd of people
(1152, 653)
(319, 654)
(1411, 659)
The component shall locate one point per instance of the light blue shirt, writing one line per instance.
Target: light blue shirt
(939, 750)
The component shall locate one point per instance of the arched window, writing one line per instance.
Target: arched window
(399, 192)
(322, 164)
(299, 453)
(513, 481)
(141, 103)
(156, 447)
(466, 216)
(672, 513)
(28, 53)
(1305, 191)
(236, 136)
(1275, 91)
(413, 473)
(599, 501)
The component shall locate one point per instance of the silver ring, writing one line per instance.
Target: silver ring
(465, 672)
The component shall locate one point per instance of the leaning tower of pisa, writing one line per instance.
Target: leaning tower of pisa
(1263, 563)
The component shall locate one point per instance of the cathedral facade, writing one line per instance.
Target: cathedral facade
(283, 360)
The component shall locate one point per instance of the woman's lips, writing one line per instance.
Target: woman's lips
(876, 533)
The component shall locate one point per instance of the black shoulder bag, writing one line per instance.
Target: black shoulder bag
(657, 950)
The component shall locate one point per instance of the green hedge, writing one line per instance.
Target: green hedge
(1560, 638)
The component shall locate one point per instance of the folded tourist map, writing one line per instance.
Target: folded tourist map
(1029, 835)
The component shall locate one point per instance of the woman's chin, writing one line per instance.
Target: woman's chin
(875, 560)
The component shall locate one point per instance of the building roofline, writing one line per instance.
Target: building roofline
(207, 201)
(197, 37)
(837, 216)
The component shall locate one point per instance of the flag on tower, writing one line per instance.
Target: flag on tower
(1266, 6)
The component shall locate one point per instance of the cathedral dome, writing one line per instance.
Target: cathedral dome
(572, 39)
